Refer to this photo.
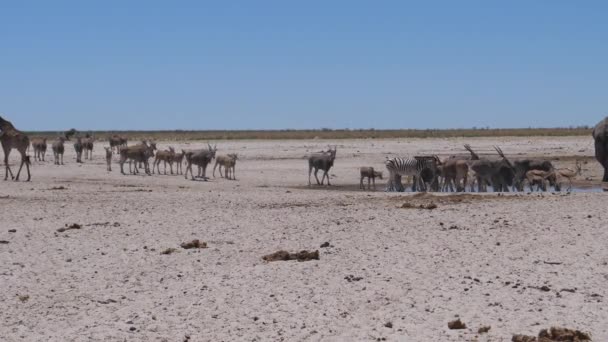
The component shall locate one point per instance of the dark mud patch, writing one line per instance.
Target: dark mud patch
(554, 335)
(70, 227)
(340, 187)
(438, 199)
(286, 256)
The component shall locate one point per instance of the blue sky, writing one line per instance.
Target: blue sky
(307, 64)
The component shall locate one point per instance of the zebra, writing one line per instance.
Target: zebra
(398, 167)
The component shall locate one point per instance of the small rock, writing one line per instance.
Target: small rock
(457, 325)
(484, 330)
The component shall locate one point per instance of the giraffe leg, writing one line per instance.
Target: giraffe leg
(27, 167)
(7, 169)
(20, 167)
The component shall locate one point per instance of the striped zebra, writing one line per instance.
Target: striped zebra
(399, 167)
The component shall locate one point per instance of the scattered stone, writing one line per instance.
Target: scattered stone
(107, 301)
(72, 226)
(286, 256)
(325, 245)
(457, 325)
(389, 325)
(24, 298)
(523, 338)
(484, 330)
(58, 188)
(194, 244)
(12, 230)
(3, 242)
(351, 278)
(168, 251)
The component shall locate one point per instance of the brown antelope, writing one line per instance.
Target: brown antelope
(136, 153)
(166, 157)
(370, 174)
(321, 161)
(455, 173)
(200, 158)
(229, 164)
(569, 174)
(538, 178)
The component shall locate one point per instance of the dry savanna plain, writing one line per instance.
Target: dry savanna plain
(516, 263)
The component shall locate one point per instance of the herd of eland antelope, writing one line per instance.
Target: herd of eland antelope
(459, 173)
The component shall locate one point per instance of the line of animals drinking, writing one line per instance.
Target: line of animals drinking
(425, 173)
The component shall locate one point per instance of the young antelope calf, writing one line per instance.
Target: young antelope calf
(229, 164)
(538, 178)
(370, 174)
(166, 157)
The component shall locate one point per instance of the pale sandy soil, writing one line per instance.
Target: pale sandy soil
(484, 259)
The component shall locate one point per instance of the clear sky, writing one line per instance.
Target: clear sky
(303, 64)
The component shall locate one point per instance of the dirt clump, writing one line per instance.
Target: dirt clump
(72, 226)
(484, 330)
(286, 256)
(457, 325)
(427, 206)
(168, 251)
(555, 334)
(194, 244)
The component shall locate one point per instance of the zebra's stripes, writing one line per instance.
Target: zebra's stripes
(399, 167)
